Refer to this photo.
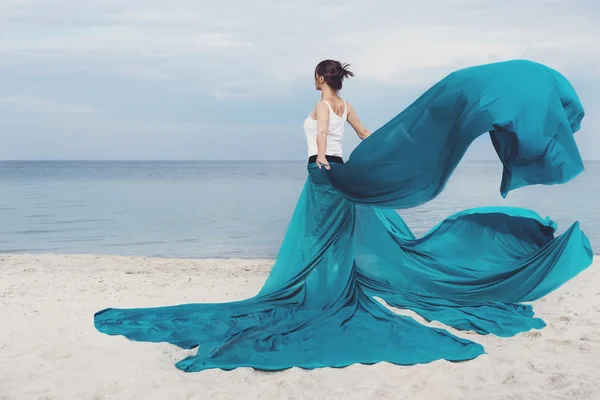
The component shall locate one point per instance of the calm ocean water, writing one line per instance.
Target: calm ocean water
(222, 209)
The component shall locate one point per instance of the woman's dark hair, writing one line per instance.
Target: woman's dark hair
(333, 72)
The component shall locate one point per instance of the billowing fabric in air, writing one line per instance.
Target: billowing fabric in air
(346, 246)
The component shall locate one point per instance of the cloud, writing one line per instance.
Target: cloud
(120, 40)
(272, 43)
(209, 62)
(45, 106)
(161, 17)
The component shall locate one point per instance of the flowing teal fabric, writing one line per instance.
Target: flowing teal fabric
(346, 246)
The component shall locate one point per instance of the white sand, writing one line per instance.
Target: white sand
(49, 348)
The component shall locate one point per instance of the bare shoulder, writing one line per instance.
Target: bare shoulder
(349, 107)
(321, 105)
(355, 122)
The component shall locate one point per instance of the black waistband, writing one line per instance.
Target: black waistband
(333, 159)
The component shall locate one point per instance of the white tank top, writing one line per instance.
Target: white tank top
(335, 133)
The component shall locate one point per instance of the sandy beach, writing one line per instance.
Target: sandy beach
(49, 348)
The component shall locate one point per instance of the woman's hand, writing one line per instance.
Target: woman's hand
(322, 161)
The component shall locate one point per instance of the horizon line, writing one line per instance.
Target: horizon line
(199, 160)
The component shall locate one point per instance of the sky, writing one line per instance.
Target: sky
(224, 80)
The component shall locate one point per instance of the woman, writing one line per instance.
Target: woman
(324, 127)
(345, 245)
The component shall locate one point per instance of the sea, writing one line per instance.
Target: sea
(224, 209)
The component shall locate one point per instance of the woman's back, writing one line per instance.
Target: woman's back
(338, 112)
(337, 105)
(324, 127)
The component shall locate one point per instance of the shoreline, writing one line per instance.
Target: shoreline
(182, 258)
(50, 348)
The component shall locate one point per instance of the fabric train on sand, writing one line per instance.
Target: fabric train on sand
(345, 244)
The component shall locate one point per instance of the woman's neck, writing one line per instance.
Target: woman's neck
(327, 93)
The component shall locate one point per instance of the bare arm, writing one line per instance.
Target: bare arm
(322, 113)
(354, 121)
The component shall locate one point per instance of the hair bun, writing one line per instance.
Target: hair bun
(333, 72)
(345, 71)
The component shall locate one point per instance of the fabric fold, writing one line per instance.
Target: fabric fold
(345, 246)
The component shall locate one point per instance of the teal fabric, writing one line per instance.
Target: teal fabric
(529, 110)
(346, 247)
